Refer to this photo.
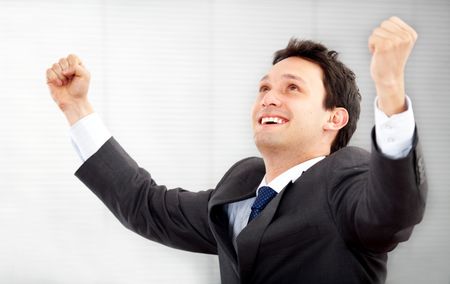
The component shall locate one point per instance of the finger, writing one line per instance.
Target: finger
(379, 37)
(383, 33)
(58, 71)
(64, 64)
(73, 58)
(395, 30)
(72, 61)
(404, 26)
(76, 66)
(52, 78)
(82, 72)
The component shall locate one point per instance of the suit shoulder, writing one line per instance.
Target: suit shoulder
(247, 164)
(244, 168)
(250, 161)
(350, 155)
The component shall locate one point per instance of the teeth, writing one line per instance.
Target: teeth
(276, 120)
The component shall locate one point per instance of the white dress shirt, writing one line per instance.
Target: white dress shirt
(394, 137)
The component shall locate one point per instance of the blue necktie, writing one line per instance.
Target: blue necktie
(265, 194)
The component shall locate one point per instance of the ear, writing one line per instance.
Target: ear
(337, 120)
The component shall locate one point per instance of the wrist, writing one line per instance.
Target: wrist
(76, 110)
(391, 96)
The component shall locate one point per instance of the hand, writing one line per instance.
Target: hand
(391, 44)
(68, 81)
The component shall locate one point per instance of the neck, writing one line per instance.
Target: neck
(278, 163)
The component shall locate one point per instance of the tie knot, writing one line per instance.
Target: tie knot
(265, 194)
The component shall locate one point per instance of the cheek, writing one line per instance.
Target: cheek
(309, 121)
(254, 110)
(320, 119)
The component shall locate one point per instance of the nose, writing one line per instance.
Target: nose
(270, 99)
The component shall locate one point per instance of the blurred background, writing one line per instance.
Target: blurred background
(174, 82)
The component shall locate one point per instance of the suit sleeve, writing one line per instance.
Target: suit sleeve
(176, 217)
(377, 204)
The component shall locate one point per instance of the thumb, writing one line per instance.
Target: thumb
(75, 68)
(76, 71)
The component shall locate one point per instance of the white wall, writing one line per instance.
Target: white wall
(174, 81)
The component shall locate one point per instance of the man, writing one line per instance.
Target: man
(312, 210)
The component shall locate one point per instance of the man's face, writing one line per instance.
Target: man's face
(289, 112)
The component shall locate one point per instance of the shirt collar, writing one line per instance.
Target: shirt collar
(289, 175)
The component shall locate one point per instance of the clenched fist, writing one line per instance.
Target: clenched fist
(68, 81)
(391, 44)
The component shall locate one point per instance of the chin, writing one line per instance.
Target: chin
(268, 142)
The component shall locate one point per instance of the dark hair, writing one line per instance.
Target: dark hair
(339, 81)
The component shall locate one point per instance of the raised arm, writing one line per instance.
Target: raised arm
(379, 206)
(175, 217)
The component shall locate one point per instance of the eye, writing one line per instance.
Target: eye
(293, 87)
(263, 89)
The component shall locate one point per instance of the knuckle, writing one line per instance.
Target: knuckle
(72, 57)
(50, 74)
(408, 39)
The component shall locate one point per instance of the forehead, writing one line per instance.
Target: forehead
(309, 71)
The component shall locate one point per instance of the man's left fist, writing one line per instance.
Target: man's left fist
(390, 45)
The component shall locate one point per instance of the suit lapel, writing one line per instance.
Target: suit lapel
(220, 226)
(240, 184)
(249, 239)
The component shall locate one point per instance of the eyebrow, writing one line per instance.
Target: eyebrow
(287, 76)
(264, 78)
(297, 78)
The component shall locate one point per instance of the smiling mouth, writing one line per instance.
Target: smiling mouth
(272, 120)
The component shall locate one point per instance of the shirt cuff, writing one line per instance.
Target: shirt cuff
(394, 134)
(88, 135)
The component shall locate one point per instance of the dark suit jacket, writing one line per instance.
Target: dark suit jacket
(335, 224)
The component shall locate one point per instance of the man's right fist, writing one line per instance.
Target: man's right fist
(68, 81)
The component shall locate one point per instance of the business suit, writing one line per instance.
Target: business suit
(335, 224)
